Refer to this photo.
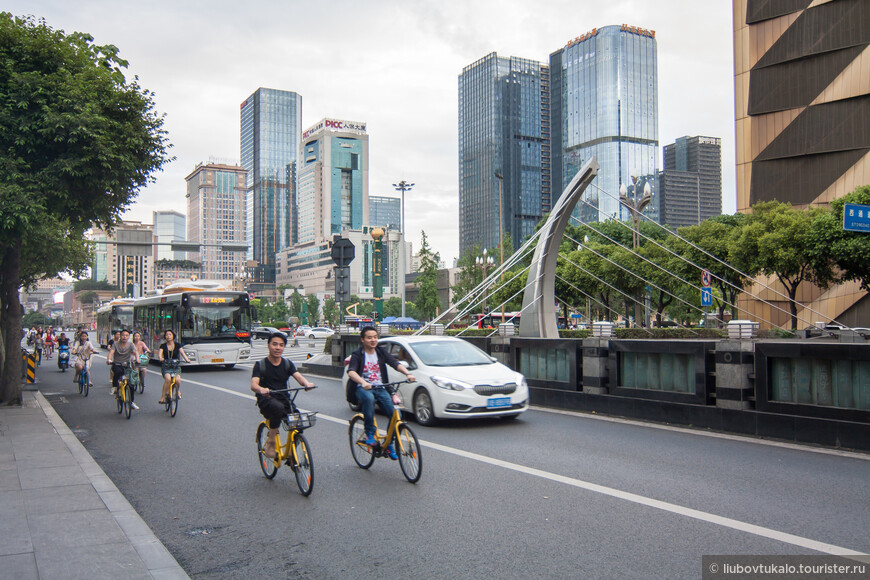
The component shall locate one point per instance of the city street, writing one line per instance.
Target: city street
(550, 494)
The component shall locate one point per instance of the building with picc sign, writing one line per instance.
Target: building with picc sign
(332, 180)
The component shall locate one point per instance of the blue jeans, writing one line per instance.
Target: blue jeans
(366, 400)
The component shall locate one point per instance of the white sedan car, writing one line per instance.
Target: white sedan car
(455, 380)
(319, 332)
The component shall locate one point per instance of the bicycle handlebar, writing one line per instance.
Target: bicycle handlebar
(290, 390)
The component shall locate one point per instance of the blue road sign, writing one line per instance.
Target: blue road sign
(856, 218)
(706, 297)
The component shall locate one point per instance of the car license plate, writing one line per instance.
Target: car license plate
(217, 360)
(498, 403)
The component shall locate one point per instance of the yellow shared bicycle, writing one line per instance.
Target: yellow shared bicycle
(126, 387)
(398, 434)
(295, 452)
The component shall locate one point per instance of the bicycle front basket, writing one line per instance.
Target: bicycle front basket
(299, 421)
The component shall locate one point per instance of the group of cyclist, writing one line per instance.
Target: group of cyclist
(368, 369)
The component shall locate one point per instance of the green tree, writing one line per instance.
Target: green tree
(330, 311)
(393, 307)
(34, 318)
(77, 142)
(848, 250)
(777, 241)
(91, 284)
(428, 301)
(313, 309)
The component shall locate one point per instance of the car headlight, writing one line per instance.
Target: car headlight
(191, 355)
(450, 384)
(521, 381)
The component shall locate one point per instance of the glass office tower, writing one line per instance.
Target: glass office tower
(604, 103)
(504, 128)
(271, 121)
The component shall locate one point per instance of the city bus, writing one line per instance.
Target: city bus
(113, 316)
(213, 325)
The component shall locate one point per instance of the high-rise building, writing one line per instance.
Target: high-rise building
(504, 130)
(216, 215)
(271, 121)
(604, 104)
(385, 212)
(333, 180)
(690, 185)
(169, 226)
(130, 267)
(803, 128)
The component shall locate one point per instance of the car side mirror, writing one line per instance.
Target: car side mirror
(407, 365)
(493, 359)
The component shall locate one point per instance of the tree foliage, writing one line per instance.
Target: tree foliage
(428, 301)
(78, 140)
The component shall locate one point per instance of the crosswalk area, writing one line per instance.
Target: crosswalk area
(299, 352)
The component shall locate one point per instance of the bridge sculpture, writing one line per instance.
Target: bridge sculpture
(539, 311)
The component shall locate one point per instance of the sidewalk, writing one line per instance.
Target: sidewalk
(60, 515)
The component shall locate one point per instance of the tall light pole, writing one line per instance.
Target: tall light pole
(403, 186)
(484, 262)
(636, 206)
(500, 233)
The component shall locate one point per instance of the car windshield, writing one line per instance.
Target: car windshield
(450, 353)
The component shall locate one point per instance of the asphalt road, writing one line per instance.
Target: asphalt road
(549, 495)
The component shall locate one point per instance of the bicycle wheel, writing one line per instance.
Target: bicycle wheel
(408, 449)
(128, 400)
(268, 465)
(119, 398)
(85, 378)
(142, 383)
(361, 452)
(304, 467)
(172, 399)
(81, 383)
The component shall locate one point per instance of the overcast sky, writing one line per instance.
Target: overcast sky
(390, 63)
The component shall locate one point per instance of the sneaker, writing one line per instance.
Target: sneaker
(370, 440)
(392, 452)
(115, 391)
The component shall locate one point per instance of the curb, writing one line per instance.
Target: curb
(157, 559)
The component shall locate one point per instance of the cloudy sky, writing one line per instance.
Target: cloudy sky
(390, 63)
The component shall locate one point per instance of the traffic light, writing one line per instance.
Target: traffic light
(342, 284)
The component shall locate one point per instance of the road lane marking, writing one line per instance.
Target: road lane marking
(609, 491)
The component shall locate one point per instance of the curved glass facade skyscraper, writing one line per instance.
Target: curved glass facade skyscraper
(604, 103)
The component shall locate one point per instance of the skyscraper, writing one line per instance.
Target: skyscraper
(216, 215)
(385, 212)
(169, 226)
(690, 185)
(271, 121)
(333, 193)
(604, 103)
(504, 129)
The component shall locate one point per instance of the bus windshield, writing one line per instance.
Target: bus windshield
(123, 317)
(210, 322)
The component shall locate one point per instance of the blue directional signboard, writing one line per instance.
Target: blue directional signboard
(856, 218)
(706, 297)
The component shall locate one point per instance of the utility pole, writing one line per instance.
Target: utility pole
(403, 186)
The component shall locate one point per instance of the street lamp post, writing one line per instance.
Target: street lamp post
(636, 206)
(500, 232)
(484, 262)
(403, 186)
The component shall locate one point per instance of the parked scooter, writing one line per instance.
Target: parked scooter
(63, 358)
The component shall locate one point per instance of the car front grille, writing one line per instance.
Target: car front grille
(487, 390)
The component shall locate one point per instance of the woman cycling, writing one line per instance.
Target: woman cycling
(82, 350)
(169, 351)
(140, 348)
